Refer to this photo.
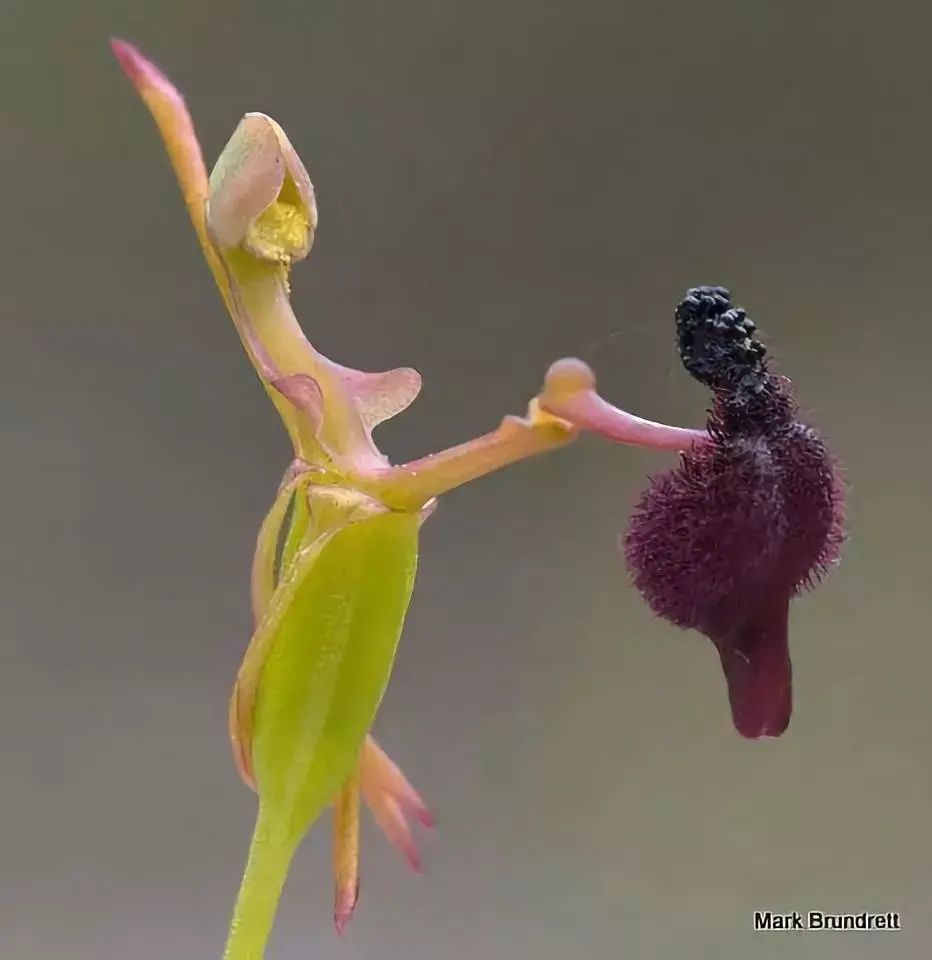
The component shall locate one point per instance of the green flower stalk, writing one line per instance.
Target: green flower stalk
(331, 588)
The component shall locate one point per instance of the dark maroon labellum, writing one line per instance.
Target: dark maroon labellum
(748, 519)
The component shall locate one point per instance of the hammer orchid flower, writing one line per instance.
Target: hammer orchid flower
(336, 555)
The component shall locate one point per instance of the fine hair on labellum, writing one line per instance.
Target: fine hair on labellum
(748, 518)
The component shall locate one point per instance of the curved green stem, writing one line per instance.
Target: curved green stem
(266, 869)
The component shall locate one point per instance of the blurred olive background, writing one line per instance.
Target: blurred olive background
(500, 184)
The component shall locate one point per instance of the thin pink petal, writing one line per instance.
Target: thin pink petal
(140, 70)
(344, 905)
(392, 822)
(392, 800)
(379, 774)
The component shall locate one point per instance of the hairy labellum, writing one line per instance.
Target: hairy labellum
(748, 519)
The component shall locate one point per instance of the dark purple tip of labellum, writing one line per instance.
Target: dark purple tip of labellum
(721, 543)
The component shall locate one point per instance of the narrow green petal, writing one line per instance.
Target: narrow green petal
(297, 533)
(263, 577)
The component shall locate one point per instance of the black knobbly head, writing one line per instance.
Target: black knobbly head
(716, 342)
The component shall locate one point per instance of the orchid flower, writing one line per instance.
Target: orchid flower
(336, 555)
(753, 513)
